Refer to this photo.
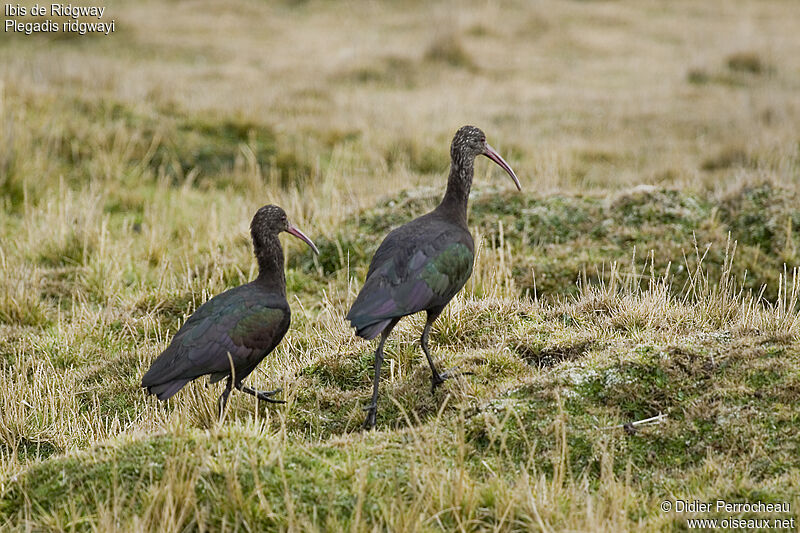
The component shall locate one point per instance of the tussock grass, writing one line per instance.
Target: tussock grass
(649, 266)
(515, 444)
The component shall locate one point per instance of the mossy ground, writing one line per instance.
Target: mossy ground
(558, 240)
(648, 267)
(730, 431)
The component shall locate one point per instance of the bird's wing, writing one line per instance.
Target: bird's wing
(408, 275)
(238, 322)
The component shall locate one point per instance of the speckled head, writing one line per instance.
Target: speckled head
(267, 223)
(470, 142)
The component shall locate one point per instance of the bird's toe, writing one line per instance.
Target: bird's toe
(369, 421)
(453, 372)
(450, 373)
(265, 396)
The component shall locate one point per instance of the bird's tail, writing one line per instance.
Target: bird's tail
(166, 390)
(370, 331)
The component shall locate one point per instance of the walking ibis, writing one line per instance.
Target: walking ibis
(233, 331)
(421, 265)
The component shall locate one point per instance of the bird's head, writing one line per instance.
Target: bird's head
(470, 142)
(268, 222)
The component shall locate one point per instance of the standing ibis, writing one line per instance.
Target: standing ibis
(421, 265)
(233, 331)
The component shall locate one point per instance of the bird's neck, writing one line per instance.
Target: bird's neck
(270, 265)
(454, 203)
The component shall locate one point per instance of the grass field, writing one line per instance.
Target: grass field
(648, 267)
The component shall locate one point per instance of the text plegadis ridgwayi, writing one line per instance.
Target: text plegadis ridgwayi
(233, 331)
(421, 265)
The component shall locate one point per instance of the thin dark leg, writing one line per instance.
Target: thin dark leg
(223, 398)
(263, 395)
(436, 378)
(372, 408)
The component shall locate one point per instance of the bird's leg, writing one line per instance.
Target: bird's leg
(263, 395)
(436, 378)
(223, 398)
(372, 408)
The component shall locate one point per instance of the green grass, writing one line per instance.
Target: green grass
(564, 238)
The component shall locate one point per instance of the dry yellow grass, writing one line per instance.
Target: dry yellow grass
(130, 166)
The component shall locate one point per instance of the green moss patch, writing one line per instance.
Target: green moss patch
(559, 239)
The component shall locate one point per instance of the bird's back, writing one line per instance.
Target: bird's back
(245, 322)
(420, 265)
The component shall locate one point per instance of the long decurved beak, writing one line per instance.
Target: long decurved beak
(494, 156)
(302, 236)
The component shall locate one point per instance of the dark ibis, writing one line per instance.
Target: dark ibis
(421, 265)
(233, 331)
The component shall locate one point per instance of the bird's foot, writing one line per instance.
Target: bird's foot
(267, 396)
(263, 395)
(437, 379)
(372, 410)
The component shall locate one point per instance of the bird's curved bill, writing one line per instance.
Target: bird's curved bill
(302, 236)
(494, 156)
